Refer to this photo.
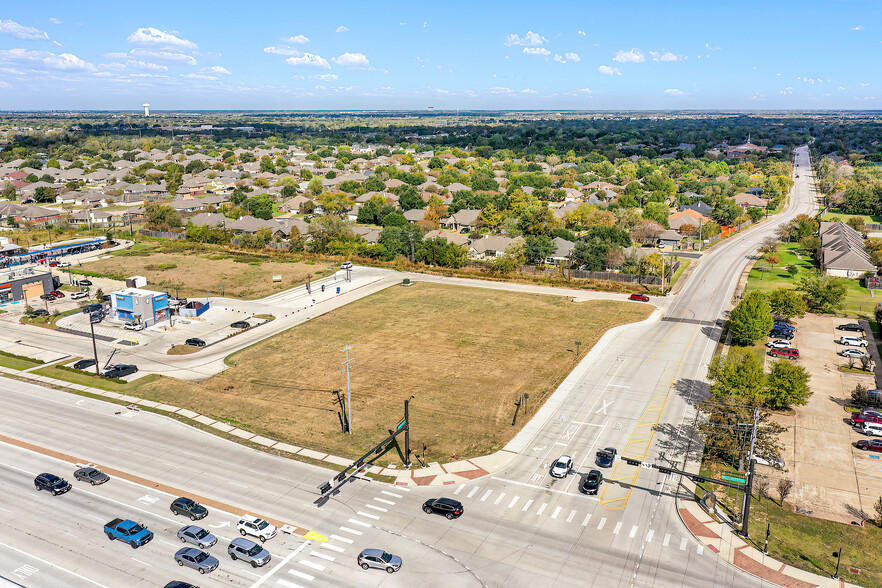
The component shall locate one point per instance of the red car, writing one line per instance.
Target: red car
(639, 297)
(787, 352)
(57, 293)
(53, 264)
(867, 415)
(869, 445)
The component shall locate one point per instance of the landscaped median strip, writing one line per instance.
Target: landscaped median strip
(293, 529)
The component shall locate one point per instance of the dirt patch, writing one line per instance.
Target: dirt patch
(466, 354)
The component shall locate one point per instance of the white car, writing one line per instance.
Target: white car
(257, 527)
(346, 265)
(78, 295)
(856, 341)
(855, 353)
(134, 327)
(779, 344)
(562, 467)
(63, 264)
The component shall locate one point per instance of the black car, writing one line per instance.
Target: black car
(84, 282)
(851, 327)
(591, 482)
(84, 364)
(49, 297)
(443, 506)
(179, 584)
(105, 298)
(189, 508)
(41, 312)
(241, 325)
(606, 457)
(194, 342)
(119, 371)
(781, 334)
(52, 483)
(90, 308)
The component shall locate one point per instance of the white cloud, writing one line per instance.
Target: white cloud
(581, 33)
(531, 39)
(215, 70)
(666, 56)
(54, 20)
(786, 91)
(582, 91)
(864, 84)
(154, 37)
(857, 28)
(609, 71)
(528, 91)
(425, 24)
(536, 51)
(5, 84)
(135, 64)
(842, 88)
(325, 77)
(12, 28)
(402, 23)
(199, 76)
(559, 59)
(164, 55)
(282, 51)
(353, 61)
(65, 61)
(341, 29)
(633, 56)
(309, 61)
(499, 90)
(572, 57)
(297, 39)
(674, 92)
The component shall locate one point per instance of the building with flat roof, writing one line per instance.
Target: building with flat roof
(24, 284)
(139, 306)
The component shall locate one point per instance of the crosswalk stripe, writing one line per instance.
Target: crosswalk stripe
(587, 518)
(358, 522)
(486, 494)
(633, 532)
(387, 493)
(332, 547)
(472, 492)
(556, 512)
(323, 555)
(618, 528)
(572, 514)
(353, 531)
(500, 497)
(649, 536)
(343, 539)
(513, 500)
(542, 508)
(683, 544)
(700, 549)
(288, 584)
(667, 539)
(602, 523)
(301, 575)
(526, 506)
(384, 501)
(368, 515)
(312, 564)
(458, 489)
(379, 508)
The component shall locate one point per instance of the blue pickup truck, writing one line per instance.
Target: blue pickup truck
(129, 532)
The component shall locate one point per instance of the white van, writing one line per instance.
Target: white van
(871, 429)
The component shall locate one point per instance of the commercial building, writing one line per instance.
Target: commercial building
(24, 284)
(141, 306)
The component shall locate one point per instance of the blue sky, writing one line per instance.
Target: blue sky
(291, 55)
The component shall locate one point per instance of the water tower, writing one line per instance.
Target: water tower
(146, 109)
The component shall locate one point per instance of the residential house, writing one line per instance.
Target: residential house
(415, 215)
(746, 200)
(463, 220)
(843, 253)
(451, 236)
(669, 238)
(701, 207)
(679, 221)
(563, 249)
(493, 246)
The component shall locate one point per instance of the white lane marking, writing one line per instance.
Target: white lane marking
(556, 512)
(500, 497)
(143, 562)
(586, 424)
(602, 523)
(312, 564)
(299, 575)
(543, 488)
(587, 518)
(353, 531)
(683, 544)
(148, 500)
(618, 528)
(49, 563)
(486, 494)
(604, 407)
(96, 517)
(368, 515)
(458, 489)
(572, 514)
(343, 539)
(472, 493)
(276, 568)
(666, 540)
(560, 443)
(237, 484)
(336, 548)
(379, 508)
(526, 506)
(358, 522)
(322, 555)
(387, 493)
(175, 545)
(66, 533)
(542, 508)
(288, 584)
(513, 501)
(384, 501)
(633, 532)
(618, 386)
(649, 536)
(700, 549)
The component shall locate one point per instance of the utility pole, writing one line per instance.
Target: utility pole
(838, 555)
(745, 511)
(349, 392)
(94, 345)
(407, 433)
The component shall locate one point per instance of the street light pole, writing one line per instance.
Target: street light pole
(94, 345)
(407, 433)
(838, 559)
(348, 391)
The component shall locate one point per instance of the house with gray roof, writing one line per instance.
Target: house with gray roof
(492, 246)
(465, 219)
(843, 253)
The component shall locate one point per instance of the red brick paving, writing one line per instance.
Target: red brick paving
(423, 480)
(698, 528)
(754, 567)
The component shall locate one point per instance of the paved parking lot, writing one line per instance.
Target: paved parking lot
(831, 477)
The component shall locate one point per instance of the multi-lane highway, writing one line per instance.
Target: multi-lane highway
(520, 528)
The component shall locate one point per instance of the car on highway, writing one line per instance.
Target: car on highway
(128, 531)
(57, 293)
(84, 282)
(241, 325)
(447, 507)
(561, 467)
(196, 559)
(346, 265)
(194, 342)
(591, 482)
(133, 327)
(256, 527)
(197, 536)
(188, 508)
(851, 327)
(853, 353)
(41, 312)
(869, 444)
(778, 344)
(249, 552)
(639, 297)
(855, 341)
(79, 295)
(605, 457)
(120, 370)
(83, 364)
(785, 352)
(52, 483)
(91, 475)
(379, 559)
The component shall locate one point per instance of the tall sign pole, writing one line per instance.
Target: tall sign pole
(348, 391)
(407, 433)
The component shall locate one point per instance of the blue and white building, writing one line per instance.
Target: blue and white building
(136, 305)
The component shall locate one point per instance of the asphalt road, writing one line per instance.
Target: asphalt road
(520, 528)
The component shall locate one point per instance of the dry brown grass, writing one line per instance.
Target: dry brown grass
(466, 354)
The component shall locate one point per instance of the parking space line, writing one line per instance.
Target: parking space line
(556, 512)
(602, 523)
(343, 539)
(587, 518)
(572, 514)
(500, 497)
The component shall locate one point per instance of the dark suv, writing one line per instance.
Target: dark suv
(52, 483)
(119, 371)
(443, 506)
(782, 334)
(189, 508)
(194, 342)
(591, 482)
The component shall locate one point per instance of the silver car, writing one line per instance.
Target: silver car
(92, 475)
(377, 558)
(248, 551)
(197, 536)
(196, 559)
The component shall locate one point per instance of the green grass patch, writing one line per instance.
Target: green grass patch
(84, 378)
(182, 350)
(18, 362)
(837, 215)
(684, 263)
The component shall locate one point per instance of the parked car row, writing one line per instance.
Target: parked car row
(780, 346)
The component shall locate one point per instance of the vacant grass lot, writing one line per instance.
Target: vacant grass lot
(835, 215)
(192, 270)
(466, 354)
(858, 301)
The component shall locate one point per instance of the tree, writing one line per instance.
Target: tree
(723, 418)
(751, 320)
(537, 248)
(786, 303)
(785, 485)
(822, 293)
(787, 385)
(261, 206)
(325, 229)
(726, 212)
(755, 214)
(878, 508)
(409, 198)
(508, 262)
(161, 217)
(657, 212)
(314, 188)
(439, 252)
(44, 194)
(737, 377)
(397, 240)
(374, 184)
